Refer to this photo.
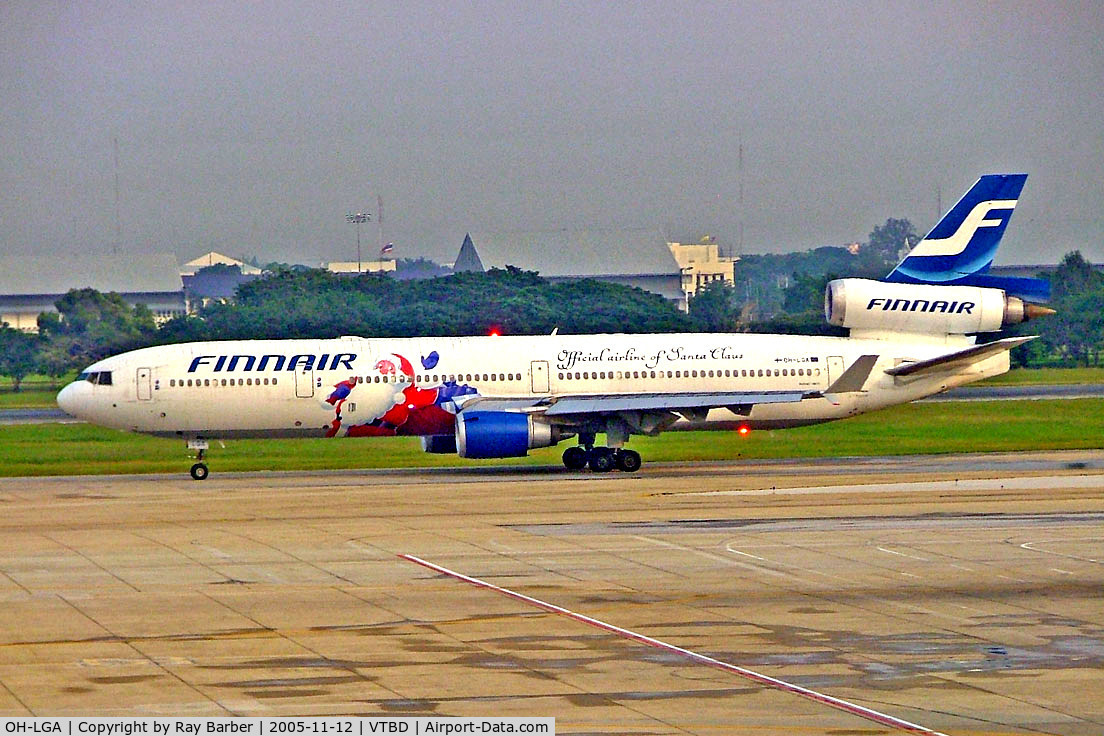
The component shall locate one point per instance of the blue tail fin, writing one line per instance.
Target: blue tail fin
(960, 248)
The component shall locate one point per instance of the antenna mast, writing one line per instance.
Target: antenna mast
(740, 223)
(379, 222)
(118, 225)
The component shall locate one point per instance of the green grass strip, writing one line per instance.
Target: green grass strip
(933, 428)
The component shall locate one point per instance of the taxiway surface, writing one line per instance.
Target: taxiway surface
(959, 593)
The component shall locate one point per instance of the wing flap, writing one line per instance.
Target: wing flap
(667, 402)
(612, 403)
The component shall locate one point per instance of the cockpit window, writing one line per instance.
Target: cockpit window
(83, 376)
(100, 378)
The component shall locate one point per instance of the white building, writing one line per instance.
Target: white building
(217, 259)
(701, 264)
(376, 266)
(31, 285)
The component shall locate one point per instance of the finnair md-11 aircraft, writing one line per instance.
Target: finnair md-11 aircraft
(911, 335)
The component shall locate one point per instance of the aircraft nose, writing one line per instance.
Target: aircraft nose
(73, 399)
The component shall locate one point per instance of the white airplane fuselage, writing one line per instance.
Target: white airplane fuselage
(353, 386)
(911, 335)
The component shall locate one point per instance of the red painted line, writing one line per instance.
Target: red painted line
(852, 708)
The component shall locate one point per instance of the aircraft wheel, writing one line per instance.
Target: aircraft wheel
(199, 471)
(628, 461)
(601, 460)
(575, 458)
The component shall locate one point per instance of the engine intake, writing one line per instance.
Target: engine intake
(487, 434)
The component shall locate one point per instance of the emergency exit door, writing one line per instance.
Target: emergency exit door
(144, 391)
(304, 383)
(539, 372)
(835, 368)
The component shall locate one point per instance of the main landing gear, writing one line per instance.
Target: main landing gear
(601, 459)
(199, 471)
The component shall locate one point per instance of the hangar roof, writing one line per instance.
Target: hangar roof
(146, 272)
(561, 253)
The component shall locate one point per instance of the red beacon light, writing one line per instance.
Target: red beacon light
(744, 430)
(495, 332)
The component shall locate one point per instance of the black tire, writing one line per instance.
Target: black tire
(601, 460)
(575, 458)
(199, 471)
(628, 461)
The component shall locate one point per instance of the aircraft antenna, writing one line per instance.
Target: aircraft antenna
(118, 225)
(740, 223)
(379, 223)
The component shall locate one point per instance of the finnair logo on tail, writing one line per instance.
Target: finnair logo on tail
(957, 242)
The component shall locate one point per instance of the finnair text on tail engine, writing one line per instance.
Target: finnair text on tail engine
(911, 335)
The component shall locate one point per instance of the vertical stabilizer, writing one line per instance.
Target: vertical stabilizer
(960, 248)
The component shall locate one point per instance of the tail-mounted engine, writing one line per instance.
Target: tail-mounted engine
(878, 306)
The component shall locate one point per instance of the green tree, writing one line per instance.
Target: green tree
(1075, 335)
(17, 354)
(91, 325)
(716, 308)
(886, 242)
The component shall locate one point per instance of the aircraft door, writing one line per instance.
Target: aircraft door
(304, 383)
(144, 391)
(835, 368)
(539, 371)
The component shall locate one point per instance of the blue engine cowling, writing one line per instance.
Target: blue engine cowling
(487, 434)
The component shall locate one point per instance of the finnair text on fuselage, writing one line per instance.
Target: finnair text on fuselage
(921, 305)
(275, 362)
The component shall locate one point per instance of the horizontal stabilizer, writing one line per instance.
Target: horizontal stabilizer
(854, 377)
(1030, 290)
(958, 358)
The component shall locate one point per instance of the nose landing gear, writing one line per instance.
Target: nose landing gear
(199, 471)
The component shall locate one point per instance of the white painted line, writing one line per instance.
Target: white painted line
(848, 707)
(716, 558)
(977, 484)
(902, 554)
(1031, 546)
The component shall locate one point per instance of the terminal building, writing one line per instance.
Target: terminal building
(701, 264)
(31, 285)
(214, 258)
(634, 257)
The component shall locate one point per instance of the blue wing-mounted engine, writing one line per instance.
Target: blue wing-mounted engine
(487, 434)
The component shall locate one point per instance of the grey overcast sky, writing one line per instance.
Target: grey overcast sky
(253, 128)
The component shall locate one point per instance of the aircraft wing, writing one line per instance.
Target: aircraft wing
(612, 403)
(958, 358)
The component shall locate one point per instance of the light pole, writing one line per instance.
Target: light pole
(358, 218)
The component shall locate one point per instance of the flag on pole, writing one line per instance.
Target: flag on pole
(387, 248)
